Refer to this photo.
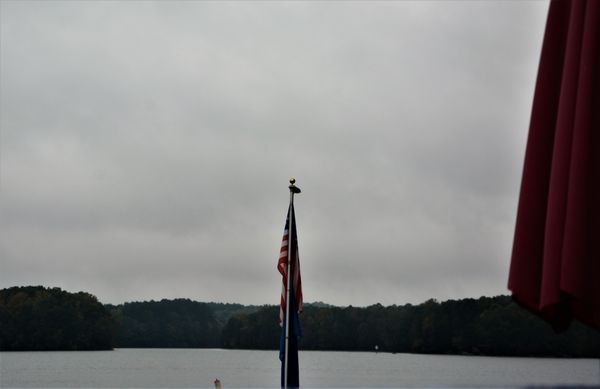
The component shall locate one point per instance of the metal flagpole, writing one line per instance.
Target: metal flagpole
(293, 189)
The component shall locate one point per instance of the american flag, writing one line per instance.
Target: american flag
(295, 265)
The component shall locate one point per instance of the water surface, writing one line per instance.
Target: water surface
(188, 368)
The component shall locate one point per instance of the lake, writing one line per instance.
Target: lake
(178, 368)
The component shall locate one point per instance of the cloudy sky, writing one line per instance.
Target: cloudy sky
(146, 146)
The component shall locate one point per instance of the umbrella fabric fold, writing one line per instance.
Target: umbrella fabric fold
(555, 266)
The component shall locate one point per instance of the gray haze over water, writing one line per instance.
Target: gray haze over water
(146, 146)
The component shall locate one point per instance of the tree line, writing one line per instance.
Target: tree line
(38, 318)
(179, 323)
(485, 326)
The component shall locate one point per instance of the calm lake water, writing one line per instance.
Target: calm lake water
(179, 368)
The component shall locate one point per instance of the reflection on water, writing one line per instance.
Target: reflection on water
(178, 368)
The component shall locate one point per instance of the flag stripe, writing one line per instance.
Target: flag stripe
(295, 266)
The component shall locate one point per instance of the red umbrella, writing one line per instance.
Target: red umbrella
(555, 267)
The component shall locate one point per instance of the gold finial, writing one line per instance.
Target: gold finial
(293, 188)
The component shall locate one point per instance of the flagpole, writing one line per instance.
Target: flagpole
(293, 189)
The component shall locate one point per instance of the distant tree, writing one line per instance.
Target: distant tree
(259, 330)
(486, 326)
(167, 323)
(38, 318)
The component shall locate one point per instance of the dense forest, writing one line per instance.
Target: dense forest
(38, 318)
(484, 326)
(48, 319)
(172, 323)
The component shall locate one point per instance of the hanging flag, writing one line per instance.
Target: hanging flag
(295, 266)
(289, 244)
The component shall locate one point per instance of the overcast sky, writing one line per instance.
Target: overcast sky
(146, 146)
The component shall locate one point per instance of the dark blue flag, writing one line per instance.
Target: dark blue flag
(293, 379)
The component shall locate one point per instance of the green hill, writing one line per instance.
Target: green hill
(38, 318)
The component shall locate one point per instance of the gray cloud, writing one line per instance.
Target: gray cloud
(146, 146)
